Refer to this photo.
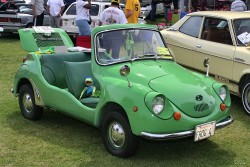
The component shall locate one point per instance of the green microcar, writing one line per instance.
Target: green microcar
(134, 87)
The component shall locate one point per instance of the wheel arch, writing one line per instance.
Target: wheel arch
(111, 106)
(25, 81)
(243, 80)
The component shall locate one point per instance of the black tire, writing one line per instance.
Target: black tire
(245, 97)
(117, 135)
(27, 104)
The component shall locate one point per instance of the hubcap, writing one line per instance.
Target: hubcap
(27, 103)
(116, 135)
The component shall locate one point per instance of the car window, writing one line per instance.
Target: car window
(93, 11)
(241, 27)
(192, 26)
(216, 30)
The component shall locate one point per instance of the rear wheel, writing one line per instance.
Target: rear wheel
(117, 135)
(27, 104)
(245, 96)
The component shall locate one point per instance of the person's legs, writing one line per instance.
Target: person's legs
(57, 22)
(153, 11)
(52, 21)
(83, 26)
(39, 20)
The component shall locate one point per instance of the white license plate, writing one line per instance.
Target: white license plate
(1, 29)
(204, 131)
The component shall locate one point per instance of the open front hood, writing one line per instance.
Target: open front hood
(187, 92)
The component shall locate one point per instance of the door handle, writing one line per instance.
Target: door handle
(198, 46)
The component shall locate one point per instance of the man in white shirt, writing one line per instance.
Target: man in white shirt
(239, 6)
(113, 15)
(112, 40)
(55, 9)
(38, 11)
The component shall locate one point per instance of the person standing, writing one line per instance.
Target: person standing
(55, 9)
(83, 17)
(38, 12)
(167, 9)
(113, 15)
(194, 5)
(239, 6)
(153, 9)
(132, 11)
(176, 6)
(203, 5)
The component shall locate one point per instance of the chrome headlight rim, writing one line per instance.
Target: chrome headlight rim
(158, 104)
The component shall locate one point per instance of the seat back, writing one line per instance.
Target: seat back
(75, 72)
(52, 66)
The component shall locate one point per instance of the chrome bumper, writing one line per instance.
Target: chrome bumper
(184, 134)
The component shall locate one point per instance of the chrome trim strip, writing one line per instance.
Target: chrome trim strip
(184, 134)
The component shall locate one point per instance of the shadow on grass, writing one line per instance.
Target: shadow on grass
(69, 133)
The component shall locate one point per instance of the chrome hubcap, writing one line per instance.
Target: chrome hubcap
(116, 135)
(27, 103)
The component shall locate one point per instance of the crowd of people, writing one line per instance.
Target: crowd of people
(113, 14)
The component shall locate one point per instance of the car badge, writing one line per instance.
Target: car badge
(199, 98)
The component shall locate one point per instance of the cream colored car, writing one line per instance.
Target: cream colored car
(221, 36)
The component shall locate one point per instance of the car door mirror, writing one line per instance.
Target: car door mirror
(206, 63)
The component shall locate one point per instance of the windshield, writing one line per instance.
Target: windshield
(129, 45)
(242, 30)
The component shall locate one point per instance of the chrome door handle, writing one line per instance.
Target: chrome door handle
(198, 46)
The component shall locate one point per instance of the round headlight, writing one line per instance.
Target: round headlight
(158, 104)
(223, 93)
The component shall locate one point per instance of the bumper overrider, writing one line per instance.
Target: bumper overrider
(184, 134)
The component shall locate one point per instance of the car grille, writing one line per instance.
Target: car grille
(42, 41)
(201, 107)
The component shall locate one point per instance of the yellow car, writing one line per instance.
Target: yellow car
(221, 36)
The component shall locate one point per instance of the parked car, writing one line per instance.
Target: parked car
(14, 16)
(140, 91)
(68, 17)
(146, 10)
(218, 35)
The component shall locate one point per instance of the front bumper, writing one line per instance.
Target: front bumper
(183, 134)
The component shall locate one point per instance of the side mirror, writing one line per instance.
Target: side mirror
(206, 64)
(124, 71)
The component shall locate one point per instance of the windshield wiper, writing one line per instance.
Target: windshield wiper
(147, 55)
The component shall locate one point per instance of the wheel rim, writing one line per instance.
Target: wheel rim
(116, 135)
(27, 103)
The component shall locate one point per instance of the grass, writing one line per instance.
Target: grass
(57, 140)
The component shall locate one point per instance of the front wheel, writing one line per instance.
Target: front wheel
(245, 97)
(117, 135)
(27, 104)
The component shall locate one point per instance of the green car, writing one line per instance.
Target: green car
(127, 84)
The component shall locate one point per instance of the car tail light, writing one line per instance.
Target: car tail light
(13, 20)
(4, 20)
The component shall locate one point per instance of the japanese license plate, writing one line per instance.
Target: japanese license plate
(1, 29)
(204, 131)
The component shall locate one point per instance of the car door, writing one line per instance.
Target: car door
(182, 42)
(216, 44)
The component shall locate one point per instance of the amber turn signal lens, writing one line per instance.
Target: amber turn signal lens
(177, 116)
(135, 109)
(223, 106)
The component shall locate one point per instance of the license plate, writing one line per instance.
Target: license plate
(1, 29)
(204, 131)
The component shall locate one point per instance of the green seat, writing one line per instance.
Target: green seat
(52, 66)
(75, 72)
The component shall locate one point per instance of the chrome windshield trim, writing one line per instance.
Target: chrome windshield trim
(183, 134)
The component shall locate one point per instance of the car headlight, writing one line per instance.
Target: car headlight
(158, 104)
(223, 93)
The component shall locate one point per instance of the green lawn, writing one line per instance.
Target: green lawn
(57, 140)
